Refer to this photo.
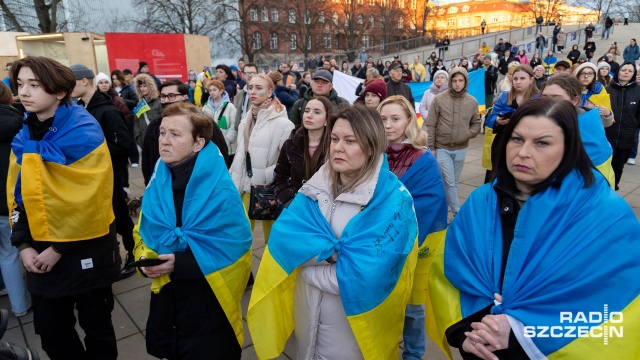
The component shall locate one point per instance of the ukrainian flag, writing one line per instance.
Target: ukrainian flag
(596, 144)
(142, 108)
(207, 72)
(566, 256)
(376, 258)
(214, 227)
(64, 181)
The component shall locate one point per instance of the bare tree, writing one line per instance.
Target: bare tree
(309, 25)
(175, 16)
(601, 6)
(390, 14)
(234, 24)
(548, 9)
(21, 14)
(418, 19)
(352, 25)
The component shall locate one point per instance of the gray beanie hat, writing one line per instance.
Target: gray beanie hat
(82, 71)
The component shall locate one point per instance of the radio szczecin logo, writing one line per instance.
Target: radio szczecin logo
(581, 324)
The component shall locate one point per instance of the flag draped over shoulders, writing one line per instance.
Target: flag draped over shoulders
(567, 256)
(376, 252)
(64, 181)
(214, 227)
(596, 144)
(424, 182)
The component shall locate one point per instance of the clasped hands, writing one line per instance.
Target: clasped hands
(489, 335)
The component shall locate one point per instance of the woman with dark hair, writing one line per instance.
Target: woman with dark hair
(589, 49)
(345, 68)
(517, 240)
(304, 152)
(523, 89)
(224, 74)
(350, 266)
(625, 95)
(567, 87)
(594, 95)
(380, 66)
(439, 65)
(574, 54)
(604, 76)
(522, 57)
(385, 73)
(126, 91)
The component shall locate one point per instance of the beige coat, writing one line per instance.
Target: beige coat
(453, 118)
(322, 329)
(271, 130)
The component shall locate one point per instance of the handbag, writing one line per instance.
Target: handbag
(263, 202)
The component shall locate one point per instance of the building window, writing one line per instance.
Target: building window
(400, 23)
(360, 20)
(451, 22)
(337, 41)
(307, 17)
(326, 41)
(264, 14)
(308, 42)
(253, 14)
(292, 16)
(365, 40)
(321, 17)
(274, 15)
(371, 21)
(360, 2)
(273, 41)
(383, 20)
(257, 40)
(401, 4)
(372, 2)
(346, 20)
(334, 17)
(293, 39)
(414, 4)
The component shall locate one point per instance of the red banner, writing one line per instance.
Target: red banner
(164, 53)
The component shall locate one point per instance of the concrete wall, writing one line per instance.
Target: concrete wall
(81, 51)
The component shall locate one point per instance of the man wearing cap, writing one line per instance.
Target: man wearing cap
(144, 69)
(101, 107)
(321, 85)
(395, 86)
(490, 79)
(562, 67)
(418, 72)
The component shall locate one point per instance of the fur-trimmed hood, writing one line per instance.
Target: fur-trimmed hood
(148, 80)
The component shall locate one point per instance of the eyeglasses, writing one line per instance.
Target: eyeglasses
(250, 73)
(588, 74)
(171, 97)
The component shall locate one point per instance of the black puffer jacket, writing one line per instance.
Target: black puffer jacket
(10, 124)
(624, 103)
(128, 94)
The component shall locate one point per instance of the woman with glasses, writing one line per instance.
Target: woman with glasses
(594, 95)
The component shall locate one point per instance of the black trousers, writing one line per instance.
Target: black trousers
(55, 322)
(620, 157)
(124, 224)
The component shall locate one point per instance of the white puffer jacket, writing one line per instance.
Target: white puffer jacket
(322, 330)
(271, 130)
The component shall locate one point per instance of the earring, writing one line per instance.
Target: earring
(325, 124)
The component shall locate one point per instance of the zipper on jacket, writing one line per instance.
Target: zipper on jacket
(621, 115)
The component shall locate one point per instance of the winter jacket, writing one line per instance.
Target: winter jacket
(298, 107)
(428, 97)
(360, 72)
(418, 72)
(561, 39)
(287, 97)
(589, 49)
(631, 53)
(10, 125)
(613, 50)
(573, 56)
(541, 42)
(231, 88)
(225, 120)
(453, 119)
(399, 88)
(128, 94)
(187, 303)
(401, 157)
(271, 130)
(121, 105)
(524, 59)
(540, 81)
(67, 277)
(490, 78)
(556, 31)
(312, 64)
(625, 101)
(140, 123)
(115, 130)
(289, 174)
(322, 328)
(535, 62)
(363, 57)
(589, 30)
(239, 102)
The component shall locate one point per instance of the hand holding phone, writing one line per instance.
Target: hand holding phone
(145, 262)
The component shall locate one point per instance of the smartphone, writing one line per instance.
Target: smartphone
(145, 262)
(505, 116)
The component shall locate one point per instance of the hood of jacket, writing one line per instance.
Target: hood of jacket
(463, 71)
(99, 99)
(435, 90)
(331, 96)
(223, 99)
(615, 83)
(10, 123)
(151, 84)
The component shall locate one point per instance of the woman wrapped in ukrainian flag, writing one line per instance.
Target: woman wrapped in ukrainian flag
(541, 263)
(193, 218)
(340, 261)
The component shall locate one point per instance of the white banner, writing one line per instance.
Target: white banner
(346, 86)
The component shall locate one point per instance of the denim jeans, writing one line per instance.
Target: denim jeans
(451, 163)
(606, 30)
(634, 149)
(10, 265)
(414, 333)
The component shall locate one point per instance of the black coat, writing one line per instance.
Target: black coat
(399, 88)
(573, 55)
(115, 130)
(185, 317)
(231, 87)
(10, 125)
(626, 111)
(590, 48)
(128, 94)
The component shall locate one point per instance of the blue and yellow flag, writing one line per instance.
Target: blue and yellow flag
(214, 227)
(142, 108)
(207, 72)
(64, 181)
(596, 144)
(567, 260)
(424, 182)
(376, 258)
(475, 89)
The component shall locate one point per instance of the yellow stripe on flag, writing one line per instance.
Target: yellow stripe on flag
(425, 258)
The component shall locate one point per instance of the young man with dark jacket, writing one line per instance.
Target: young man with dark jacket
(60, 201)
(111, 120)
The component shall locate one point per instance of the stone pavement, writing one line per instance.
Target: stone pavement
(132, 294)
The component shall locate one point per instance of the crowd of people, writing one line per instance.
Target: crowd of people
(358, 202)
